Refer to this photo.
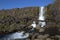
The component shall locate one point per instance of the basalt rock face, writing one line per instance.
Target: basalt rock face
(17, 19)
(53, 17)
(53, 12)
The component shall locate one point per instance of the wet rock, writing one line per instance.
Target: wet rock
(42, 37)
(51, 24)
(57, 36)
(48, 39)
(36, 39)
(41, 30)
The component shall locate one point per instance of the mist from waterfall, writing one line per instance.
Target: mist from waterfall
(41, 16)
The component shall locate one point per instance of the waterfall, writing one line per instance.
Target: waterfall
(41, 13)
(41, 16)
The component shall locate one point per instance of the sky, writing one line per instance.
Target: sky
(8, 4)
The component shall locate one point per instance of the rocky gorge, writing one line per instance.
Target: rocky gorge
(20, 19)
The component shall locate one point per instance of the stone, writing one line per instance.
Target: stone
(41, 30)
(48, 39)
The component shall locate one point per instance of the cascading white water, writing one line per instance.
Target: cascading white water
(41, 16)
(33, 24)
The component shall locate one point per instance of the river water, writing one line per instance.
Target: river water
(16, 35)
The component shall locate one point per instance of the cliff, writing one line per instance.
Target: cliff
(53, 14)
